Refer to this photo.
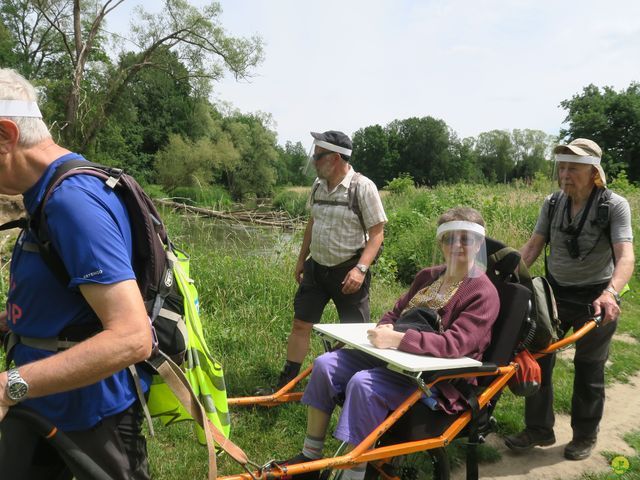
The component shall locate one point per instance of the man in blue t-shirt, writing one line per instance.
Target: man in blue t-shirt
(85, 390)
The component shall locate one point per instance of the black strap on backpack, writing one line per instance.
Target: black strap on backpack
(602, 219)
(353, 202)
(148, 233)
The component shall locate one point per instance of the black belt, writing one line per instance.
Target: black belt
(352, 262)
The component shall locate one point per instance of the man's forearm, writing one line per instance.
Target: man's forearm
(84, 364)
(376, 237)
(531, 250)
(622, 272)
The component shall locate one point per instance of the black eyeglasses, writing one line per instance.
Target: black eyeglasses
(317, 156)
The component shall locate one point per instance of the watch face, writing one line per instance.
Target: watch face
(17, 391)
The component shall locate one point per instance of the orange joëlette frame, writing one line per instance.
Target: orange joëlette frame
(364, 451)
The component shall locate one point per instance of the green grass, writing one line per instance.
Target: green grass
(246, 286)
(247, 308)
(632, 471)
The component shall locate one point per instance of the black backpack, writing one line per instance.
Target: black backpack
(153, 256)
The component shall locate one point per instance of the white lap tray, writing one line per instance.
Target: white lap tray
(355, 335)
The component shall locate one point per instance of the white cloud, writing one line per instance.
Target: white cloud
(477, 64)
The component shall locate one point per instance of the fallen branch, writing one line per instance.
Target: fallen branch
(270, 218)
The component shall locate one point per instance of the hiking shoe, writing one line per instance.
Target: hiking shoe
(527, 439)
(579, 448)
(300, 458)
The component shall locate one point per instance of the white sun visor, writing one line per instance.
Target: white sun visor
(461, 244)
(459, 225)
(563, 157)
(19, 108)
(600, 180)
(327, 146)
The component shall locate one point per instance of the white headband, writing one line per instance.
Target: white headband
(19, 108)
(459, 225)
(332, 147)
(563, 157)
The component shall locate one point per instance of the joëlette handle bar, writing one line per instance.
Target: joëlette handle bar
(72, 455)
(573, 338)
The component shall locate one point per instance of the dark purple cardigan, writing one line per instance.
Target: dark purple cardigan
(467, 319)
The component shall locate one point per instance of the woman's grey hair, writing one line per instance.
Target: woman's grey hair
(467, 214)
(14, 86)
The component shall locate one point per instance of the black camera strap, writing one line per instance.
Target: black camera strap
(575, 232)
(585, 213)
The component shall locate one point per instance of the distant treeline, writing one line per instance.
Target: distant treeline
(147, 108)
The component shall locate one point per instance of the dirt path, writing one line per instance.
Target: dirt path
(622, 415)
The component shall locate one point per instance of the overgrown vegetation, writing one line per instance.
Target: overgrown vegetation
(245, 279)
(246, 298)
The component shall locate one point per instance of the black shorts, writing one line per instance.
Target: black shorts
(116, 444)
(321, 284)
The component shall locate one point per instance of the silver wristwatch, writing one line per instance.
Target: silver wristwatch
(17, 387)
(362, 267)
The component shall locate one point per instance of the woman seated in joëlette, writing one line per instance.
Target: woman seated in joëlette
(466, 304)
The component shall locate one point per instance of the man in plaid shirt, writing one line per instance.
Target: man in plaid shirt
(340, 243)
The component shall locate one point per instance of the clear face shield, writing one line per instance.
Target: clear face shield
(574, 173)
(462, 248)
(316, 154)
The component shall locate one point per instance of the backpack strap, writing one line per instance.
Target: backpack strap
(353, 202)
(553, 203)
(605, 223)
(37, 223)
(179, 385)
(18, 223)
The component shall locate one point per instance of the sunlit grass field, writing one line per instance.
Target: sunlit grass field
(246, 288)
(247, 305)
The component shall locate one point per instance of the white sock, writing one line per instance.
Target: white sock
(313, 447)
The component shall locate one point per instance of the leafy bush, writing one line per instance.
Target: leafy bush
(621, 184)
(400, 185)
(294, 203)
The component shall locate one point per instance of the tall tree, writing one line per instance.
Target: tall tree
(77, 28)
(531, 149)
(372, 156)
(612, 119)
(422, 145)
(495, 154)
(256, 172)
(291, 165)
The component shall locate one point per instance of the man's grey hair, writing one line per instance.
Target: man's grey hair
(14, 86)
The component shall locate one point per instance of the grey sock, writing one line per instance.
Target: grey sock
(313, 447)
(355, 473)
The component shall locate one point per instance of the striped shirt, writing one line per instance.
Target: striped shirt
(337, 234)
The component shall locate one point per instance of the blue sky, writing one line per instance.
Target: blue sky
(476, 64)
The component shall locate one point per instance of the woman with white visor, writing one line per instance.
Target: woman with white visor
(462, 304)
